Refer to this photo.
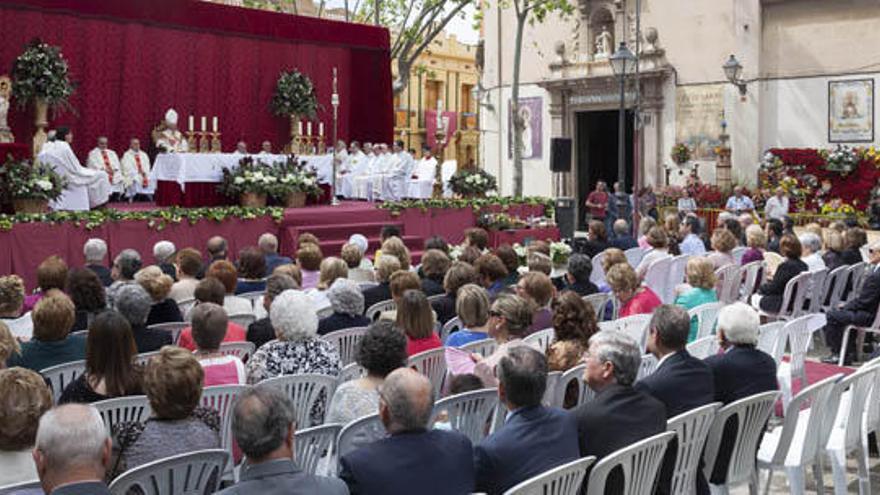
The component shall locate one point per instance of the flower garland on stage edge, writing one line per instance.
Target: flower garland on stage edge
(477, 204)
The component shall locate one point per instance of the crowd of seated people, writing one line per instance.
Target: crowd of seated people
(294, 303)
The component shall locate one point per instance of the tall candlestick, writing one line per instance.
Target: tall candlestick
(204, 123)
(215, 123)
(299, 127)
(192, 123)
(309, 128)
(321, 129)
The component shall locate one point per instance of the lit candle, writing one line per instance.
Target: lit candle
(215, 123)
(320, 128)
(309, 128)
(204, 123)
(299, 127)
(192, 123)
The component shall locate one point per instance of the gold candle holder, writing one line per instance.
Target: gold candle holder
(192, 142)
(204, 142)
(216, 146)
(322, 146)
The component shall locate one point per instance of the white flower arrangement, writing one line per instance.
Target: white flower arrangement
(559, 253)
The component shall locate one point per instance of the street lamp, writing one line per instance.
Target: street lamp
(623, 63)
(733, 70)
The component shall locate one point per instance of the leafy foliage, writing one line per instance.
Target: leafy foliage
(470, 181)
(294, 95)
(20, 179)
(41, 72)
(274, 180)
(477, 204)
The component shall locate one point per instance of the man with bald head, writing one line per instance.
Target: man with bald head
(217, 248)
(72, 451)
(103, 158)
(413, 458)
(136, 168)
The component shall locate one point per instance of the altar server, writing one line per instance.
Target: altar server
(363, 178)
(81, 181)
(397, 179)
(386, 175)
(136, 166)
(103, 158)
(168, 138)
(421, 181)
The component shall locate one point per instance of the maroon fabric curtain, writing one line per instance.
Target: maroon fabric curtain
(134, 59)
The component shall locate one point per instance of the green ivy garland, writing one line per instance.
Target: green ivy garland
(477, 204)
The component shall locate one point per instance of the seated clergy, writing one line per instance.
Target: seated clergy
(241, 148)
(167, 137)
(103, 158)
(86, 188)
(383, 177)
(265, 148)
(421, 183)
(394, 187)
(534, 438)
(363, 178)
(136, 166)
(413, 458)
(349, 165)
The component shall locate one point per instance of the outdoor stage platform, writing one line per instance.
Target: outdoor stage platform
(24, 245)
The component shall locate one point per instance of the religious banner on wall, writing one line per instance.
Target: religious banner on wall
(699, 111)
(851, 111)
(531, 111)
(448, 123)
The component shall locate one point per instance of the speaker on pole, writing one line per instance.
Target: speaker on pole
(560, 155)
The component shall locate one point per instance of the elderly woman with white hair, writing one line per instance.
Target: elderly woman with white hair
(164, 253)
(811, 247)
(348, 307)
(125, 265)
(94, 251)
(360, 241)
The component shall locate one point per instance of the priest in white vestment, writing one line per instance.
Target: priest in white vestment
(136, 165)
(348, 168)
(103, 158)
(383, 178)
(241, 148)
(266, 148)
(85, 188)
(421, 183)
(169, 139)
(397, 179)
(363, 178)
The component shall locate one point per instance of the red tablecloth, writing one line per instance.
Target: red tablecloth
(499, 237)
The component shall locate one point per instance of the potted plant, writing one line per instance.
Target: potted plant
(469, 183)
(40, 77)
(294, 183)
(294, 98)
(30, 187)
(251, 182)
(680, 154)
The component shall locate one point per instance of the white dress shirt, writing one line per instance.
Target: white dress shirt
(776, 208)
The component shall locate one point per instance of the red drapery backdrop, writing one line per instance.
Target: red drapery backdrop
(134, 59)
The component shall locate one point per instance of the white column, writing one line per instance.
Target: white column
(744, 113)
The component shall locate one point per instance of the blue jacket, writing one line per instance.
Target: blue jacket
(682, 383)
(534, 439)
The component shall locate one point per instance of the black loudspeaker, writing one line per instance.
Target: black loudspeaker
(565, 217)
(560, 155)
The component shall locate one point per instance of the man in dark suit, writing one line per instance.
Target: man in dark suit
(622, 239)
(860, 311)
(268, 244)
(619, 415)
(741, 371)
(385, 266)
(580, 267)
(263, 426)
(95, 250)
(534, 438)
(413, 458)
(73, 451)
(681, 381)
(262, 331)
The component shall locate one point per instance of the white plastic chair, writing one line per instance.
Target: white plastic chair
(432, 364)
(799, 332)
(132, 408)
(541, 339)
(346, 342)
(815, 292)
(674, 277)
(729, 281)
(483, 347)
(750, 274)
(243, 319)
(835, 284)
(304, 390)
(242, 350)
(553, 378)
(657, 277)
(792, 298)
(186, 305)
(29, 487)
(435, 297)
(692, 430)
(377, 309)
(801, 439)
(597, 275)
(704, 347)
(599, 301)
(351, 371)
(312, 444)
(576, 374)
(469, 413)
(647, 366)
(367, 285)
(450, 326)
(221, 398)
(752, 414)
(640, 463)
(706, 315)
(849, 434)
(62, 375)
(193, 473)
(634, 256)
(173, 327)
(635, 326)
(358, 433)
(860, 337)
(772, 339)
(562, 480)
(738, 253)
(858, 274)
(254, 297)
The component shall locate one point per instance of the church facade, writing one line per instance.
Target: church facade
(798, 57)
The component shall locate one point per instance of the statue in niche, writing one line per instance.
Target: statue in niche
(604, 44)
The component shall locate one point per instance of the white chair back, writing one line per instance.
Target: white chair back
(576, 375)
(358, 433)
(706, 315)
(132, 408)
(351, 371)
(312, 444)
(186, 305)
(304, 390)
(483, 347)
(450, 326)
(541, 339)
(597, 275)
(346, 342)
(243, 319)
(772, 339)
(640, 463)
(636, 326)
(599, 301)
(858, 274)
(143, 358)
(242, 350)
(752, 414)
(793, 296)
(692, 429)
(562, 480)
(62, 375)
(647, 366)
(469, 413)
(738, 253)
(634, 256)
(28, 487)
(254, 297)
(435, 297)
(728, 284)
(173, 327)
(835, 284)
(432, 364)
(553, 378)
(704, 347)
(377, 309)
(221, 398)
(193, 473)
(815, 291)
(367, 285)
(750, 274)
(657, 277)
(675, 277)
(858, 387)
